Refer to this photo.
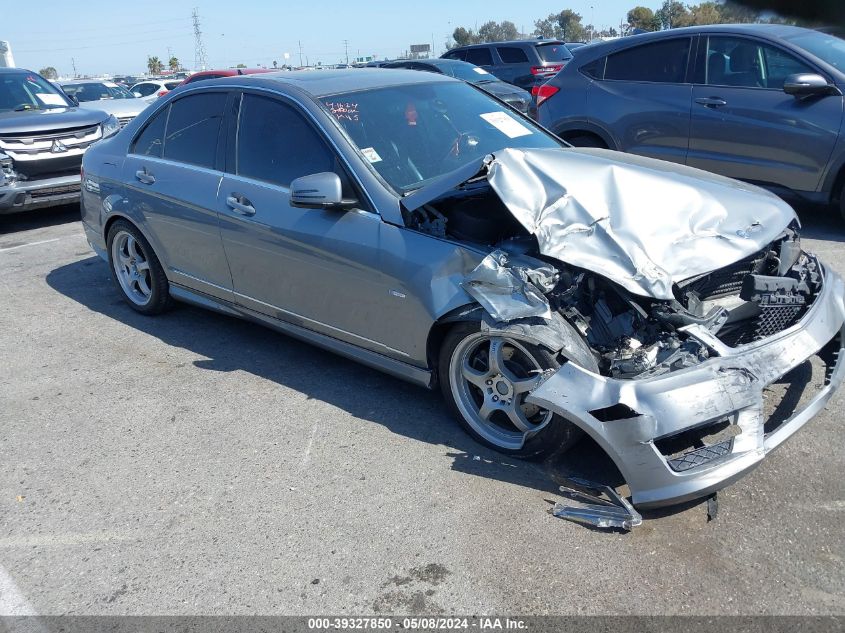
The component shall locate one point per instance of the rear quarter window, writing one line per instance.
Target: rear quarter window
(512, 55)
(658, 62)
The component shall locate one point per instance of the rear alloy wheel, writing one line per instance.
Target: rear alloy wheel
(485, 380)
(136, 270)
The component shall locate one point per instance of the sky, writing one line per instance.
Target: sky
(116, 37)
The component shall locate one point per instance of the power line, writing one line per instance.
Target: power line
(130, 25)
(200, 58)
(99, 45)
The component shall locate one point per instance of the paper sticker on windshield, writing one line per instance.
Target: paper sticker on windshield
(110, 84)
(50, 99)
(480, 71)
(371, 155)
(506, 124)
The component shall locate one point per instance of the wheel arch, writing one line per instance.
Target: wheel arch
(586, 128)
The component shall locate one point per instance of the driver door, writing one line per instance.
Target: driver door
(319, 269)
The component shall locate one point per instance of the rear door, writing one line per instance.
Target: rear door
(173, 172)
(643, 98)
(320, 269)
(744, 125)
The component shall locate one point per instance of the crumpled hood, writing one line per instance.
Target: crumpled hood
(642, 223)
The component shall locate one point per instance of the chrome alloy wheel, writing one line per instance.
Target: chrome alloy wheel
(132, 268)
(490, 377)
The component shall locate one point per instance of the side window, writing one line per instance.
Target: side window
(193, 127)
(276, 144)
(780, 65)
(512, 55)
(151, 141)
(479, 56)
(456, 55)
(595, 69)
(147, 89)
(659, 62)
(736, 61)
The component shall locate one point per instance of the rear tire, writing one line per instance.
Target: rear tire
(136, 271)
(484, 380)
(842, 204)
(586, 140)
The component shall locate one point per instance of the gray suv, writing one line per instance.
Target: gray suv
(43, 135)
(760, 103)
(523, 63)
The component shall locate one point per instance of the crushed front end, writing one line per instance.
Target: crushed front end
(693, 392)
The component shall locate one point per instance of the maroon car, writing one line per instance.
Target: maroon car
(225, 72)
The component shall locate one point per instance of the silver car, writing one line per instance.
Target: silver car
(409, 221)
(105, 96)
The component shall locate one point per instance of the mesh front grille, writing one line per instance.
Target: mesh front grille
(54, 191)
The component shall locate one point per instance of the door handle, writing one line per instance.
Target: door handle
(240, 204)
(711, 102)
(144, 176)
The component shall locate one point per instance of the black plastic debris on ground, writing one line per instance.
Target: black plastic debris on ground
(607, 511)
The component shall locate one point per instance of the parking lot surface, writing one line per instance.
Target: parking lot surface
(196, 464)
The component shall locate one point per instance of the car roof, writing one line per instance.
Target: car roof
(70, 82)
(320, 83)
(770, 30)
(533, 42)
(232, 72)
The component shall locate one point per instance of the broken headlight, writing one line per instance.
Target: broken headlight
(110, 126)
(7, 172)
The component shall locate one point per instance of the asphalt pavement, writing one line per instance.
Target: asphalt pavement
(196, 464)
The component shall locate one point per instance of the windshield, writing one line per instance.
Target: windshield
(826, 47)
(468, 72)
(412, 133)
(553, 52)
(97, 90)
(28, 91)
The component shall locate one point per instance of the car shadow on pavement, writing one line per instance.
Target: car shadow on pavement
(229, 344)
(40, 218)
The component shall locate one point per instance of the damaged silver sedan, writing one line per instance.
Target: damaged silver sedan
(419, 226)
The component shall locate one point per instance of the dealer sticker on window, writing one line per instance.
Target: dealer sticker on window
(371, 155)
(480, 71)
(50, 99)
(506, 124)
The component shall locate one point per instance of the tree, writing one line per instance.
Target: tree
(173, 64)
(548, 27)
(49, 73)
(497, 32)
(733, 13)
(671, 14)
(700, 14)
(570, 26)
(241, 66)
(463, 36)
(154, 65)
(641, 19)
(275, 64)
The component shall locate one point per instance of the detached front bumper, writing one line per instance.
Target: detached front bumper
(629, 418)
(24, 195)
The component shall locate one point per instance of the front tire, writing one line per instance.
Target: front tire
(485, 379)
(136, 270)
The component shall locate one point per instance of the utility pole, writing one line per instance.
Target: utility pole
(73, 63)
(346, 46)
(200, 58)
(300, 53)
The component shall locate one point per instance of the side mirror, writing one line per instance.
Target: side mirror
(137, 94)
(319, 191)
(72, 98)
(808, 84)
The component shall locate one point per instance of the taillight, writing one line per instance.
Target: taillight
(161, 93)
(541, 93)
(546, 70)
